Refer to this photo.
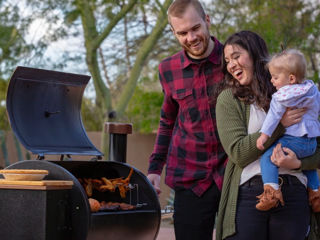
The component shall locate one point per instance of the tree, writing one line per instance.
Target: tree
(99, 23)
(13, 47)
(93, 40)
(120, 43)
(292, 23)
(145, 103)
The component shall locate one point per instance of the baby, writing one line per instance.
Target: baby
(288, 70)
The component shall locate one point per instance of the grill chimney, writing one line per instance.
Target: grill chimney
(118, 140)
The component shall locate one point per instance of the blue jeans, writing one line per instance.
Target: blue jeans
(302, 147)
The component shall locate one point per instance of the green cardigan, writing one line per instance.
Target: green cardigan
(232, 117)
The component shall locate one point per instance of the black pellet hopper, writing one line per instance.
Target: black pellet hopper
(44, 112)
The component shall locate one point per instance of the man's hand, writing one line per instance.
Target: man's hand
(285, 158)
(292, 116)
(155, 181)
(262, 140)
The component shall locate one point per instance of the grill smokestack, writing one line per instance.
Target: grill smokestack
(118, 140)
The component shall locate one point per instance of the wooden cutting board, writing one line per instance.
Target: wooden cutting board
(36, 185)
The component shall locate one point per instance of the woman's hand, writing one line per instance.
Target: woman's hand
(292, 116)
(285, 158)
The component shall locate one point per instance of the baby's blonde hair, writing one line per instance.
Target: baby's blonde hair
(292, 61)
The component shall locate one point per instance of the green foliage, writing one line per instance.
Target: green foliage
(72, 16)
(294, 23)
(3, 148)
(144, 110)
(291, 23)
(287, 16)
(12, 44)
(89, 113)
(4, 122)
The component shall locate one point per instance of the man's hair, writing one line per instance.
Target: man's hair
(178, 8)
(292, 61)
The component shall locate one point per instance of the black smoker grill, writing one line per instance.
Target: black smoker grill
(44, 112)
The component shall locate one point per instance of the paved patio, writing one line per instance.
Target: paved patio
(166, 231)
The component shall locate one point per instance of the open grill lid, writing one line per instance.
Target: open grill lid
(44, 112)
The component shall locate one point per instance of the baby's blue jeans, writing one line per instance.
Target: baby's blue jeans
(302, 147)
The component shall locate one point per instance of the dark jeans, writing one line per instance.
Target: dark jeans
(290, 222)
(194, 216)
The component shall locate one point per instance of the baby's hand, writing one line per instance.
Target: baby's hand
(261, 140)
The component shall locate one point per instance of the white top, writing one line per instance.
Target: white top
(257, 116)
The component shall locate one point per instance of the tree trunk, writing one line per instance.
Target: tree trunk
(142, 55)
(93, 40)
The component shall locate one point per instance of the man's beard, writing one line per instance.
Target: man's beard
(205, 42)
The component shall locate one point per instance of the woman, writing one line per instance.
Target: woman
(241, 108)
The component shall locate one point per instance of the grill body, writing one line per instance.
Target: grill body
(44, 112)
(34, 214)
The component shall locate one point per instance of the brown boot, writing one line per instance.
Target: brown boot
(269, 198)
(314, 199)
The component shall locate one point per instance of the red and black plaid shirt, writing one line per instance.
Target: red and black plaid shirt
(187, 139)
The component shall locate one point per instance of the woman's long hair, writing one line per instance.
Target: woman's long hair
(260, 90)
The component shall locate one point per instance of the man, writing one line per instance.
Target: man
(187, 140)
